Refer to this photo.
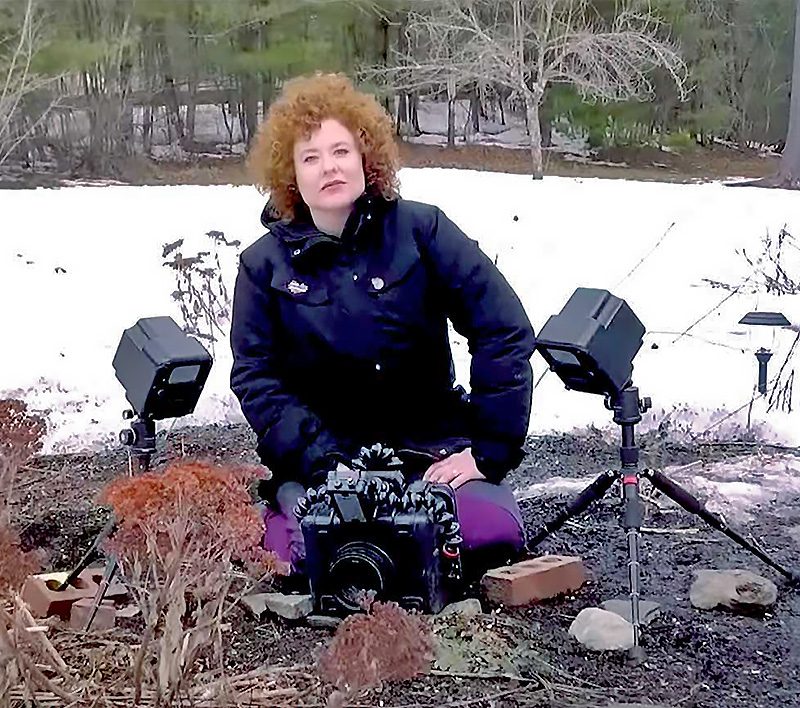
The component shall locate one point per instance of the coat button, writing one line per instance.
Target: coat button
(296, 252)
(377, 367)
(355, 276)
(377, 283)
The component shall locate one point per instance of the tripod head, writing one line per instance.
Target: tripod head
(140, 438)
(627, 406)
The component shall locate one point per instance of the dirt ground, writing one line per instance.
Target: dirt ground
(695, 659)
(688, 164)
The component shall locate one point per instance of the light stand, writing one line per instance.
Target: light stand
(163, 371)
(578, 345)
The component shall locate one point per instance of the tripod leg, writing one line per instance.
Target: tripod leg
(632, 523)
(694, 506)
(83, 563)
(108, 575)
(591, 493)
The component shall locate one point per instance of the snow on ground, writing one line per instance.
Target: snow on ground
(79, 265)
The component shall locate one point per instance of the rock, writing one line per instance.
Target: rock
(648, 610)
(465, 608)
(794, 533)
(323, 621)
(128, 611)
(255, 603)
(602, 630)
(735, 589)
(289, 606)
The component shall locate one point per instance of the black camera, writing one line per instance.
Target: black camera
(370, 535)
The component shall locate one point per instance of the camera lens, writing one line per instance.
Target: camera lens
(358, 570)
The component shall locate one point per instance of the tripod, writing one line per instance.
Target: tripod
(628, 409)
(140, 439)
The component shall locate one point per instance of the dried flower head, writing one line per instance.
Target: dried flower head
(15, 564)
(388, 644)
(214, 500)
(21, 431)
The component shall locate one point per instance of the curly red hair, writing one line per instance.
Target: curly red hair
(302, 106)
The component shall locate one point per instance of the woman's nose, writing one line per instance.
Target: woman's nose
(328, 163)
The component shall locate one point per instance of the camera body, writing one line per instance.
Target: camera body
(370, 535)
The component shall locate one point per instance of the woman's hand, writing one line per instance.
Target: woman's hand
(454, 470)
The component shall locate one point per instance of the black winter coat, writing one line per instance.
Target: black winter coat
(342, 342)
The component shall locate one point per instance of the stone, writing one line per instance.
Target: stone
(601, 630)
(323, 621)
(290, 607)
(533, 580)
(794, 533)
(128, 611)
(104, 619)
(648, 610)
(735, 589)
(466, 608)
(255, 603)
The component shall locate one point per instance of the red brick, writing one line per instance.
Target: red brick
(533, 580)
(44, 600)
(105, 618)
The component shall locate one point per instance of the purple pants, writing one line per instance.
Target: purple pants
(488, 513)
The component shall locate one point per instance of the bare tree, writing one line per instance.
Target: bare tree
(527, 45)
(19, 83)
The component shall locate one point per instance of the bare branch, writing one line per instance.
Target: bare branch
(18, 80)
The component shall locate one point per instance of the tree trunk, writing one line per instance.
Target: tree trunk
(534, 134)
(147, 129)
(191, 110)
(789, 174)
(546, 120)
(475, 109)
(413, 106)
(174, 110)
(249, 88)
(402, 113)
(451, 112)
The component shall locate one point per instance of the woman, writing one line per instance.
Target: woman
(340, 314)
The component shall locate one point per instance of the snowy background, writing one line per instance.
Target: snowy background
(79, 265)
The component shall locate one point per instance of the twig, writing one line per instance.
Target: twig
(484, 675)
(50, 650)
(651, 529)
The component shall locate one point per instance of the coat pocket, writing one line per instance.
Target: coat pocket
(385, 277)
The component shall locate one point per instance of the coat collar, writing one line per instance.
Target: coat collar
(301, 235)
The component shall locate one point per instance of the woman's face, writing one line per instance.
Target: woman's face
(328, 168)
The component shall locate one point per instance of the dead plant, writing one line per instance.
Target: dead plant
(21, 434)
(24, 647)
(187, 540)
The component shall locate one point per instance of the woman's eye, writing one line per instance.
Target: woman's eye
(341, 152)
(309, 158)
